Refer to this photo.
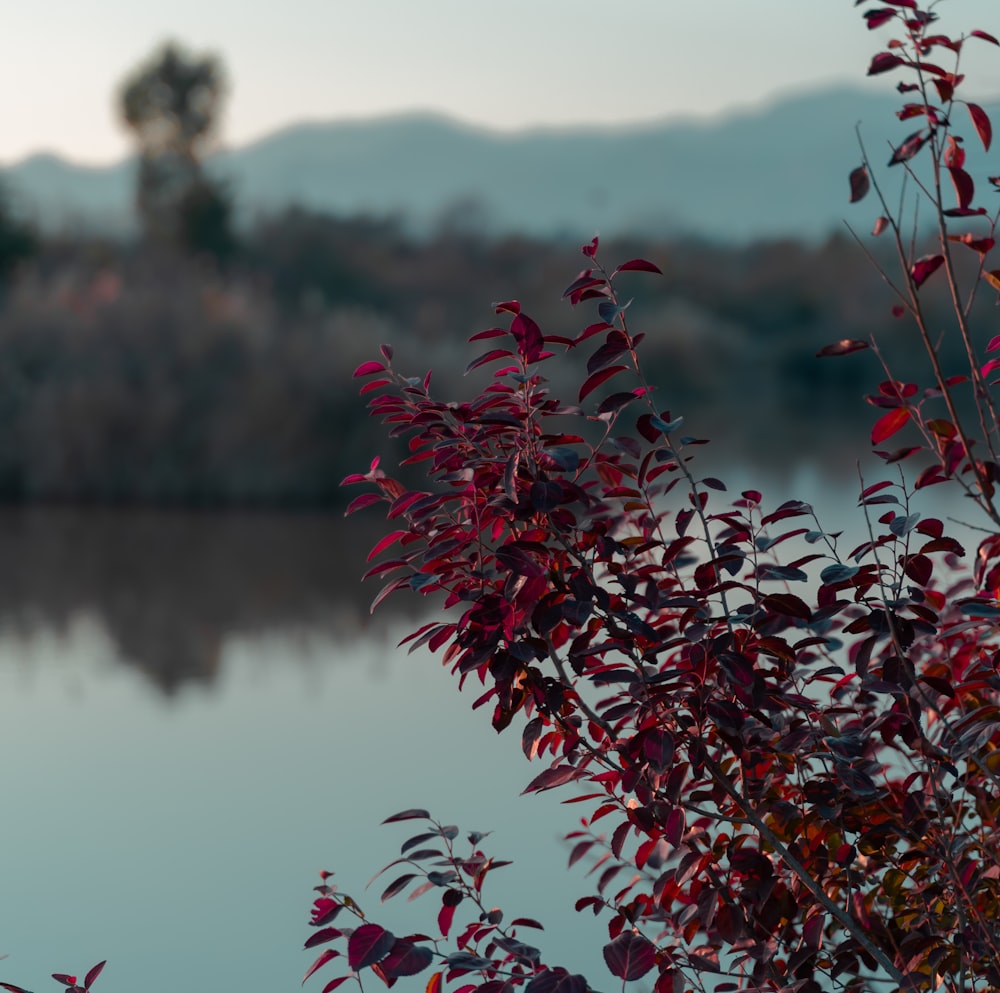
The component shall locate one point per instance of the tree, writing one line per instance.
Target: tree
(18, 240)
(172, 103)
(787, 750)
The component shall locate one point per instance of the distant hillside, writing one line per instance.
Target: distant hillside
(773, 172)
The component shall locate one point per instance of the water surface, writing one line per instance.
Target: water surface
(197, 715)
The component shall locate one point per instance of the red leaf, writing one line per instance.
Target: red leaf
(556, 980)
(616, 345)
(528, 336)
(334, 983)
(912, 110)
(390, 539)
(368, 944)
(324, 910)
(591, 330)
(675, 826)
(658, 748)
(397, 885)
(365, 500)
(322, 937)
(639, 265)
(876, 18)
(980, 245)
(924, 268)
(491, 356)
(984, 36)
(324, 957)
(445, 917)
(585, 281)
(899, 454)
(434, 983)
(88, 980)
(883, 62)
(943, 40)
(982, 124)
(888, 425)
(965, 189)
(414, 813)
(909, 148)
(630, 956)
(954, 154)
(389, 588)
(919, 568)
(406, 959)
(843, 347)
(599, 377)
(368, 368)
(729, 923)
(61, 977)
(553, 777)
(14, 989)
(860, 183)
(880, 225)
(875, 488)
(489, 333)
(788, 604)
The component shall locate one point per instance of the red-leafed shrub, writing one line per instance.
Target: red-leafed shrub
(789, 763)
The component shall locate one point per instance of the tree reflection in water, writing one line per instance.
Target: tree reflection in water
(170, 587)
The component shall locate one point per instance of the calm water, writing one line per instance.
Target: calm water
(197, 715)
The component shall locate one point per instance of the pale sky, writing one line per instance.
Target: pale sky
(499, 63)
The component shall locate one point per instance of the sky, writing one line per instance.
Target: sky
(507, 65)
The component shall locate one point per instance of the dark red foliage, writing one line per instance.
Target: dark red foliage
(786, 765)
(777, 741)
(981, 121)
(630, 956)
(922, 269)
(860, 183)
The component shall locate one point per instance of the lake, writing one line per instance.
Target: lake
(197, 715)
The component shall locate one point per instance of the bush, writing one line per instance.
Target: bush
(786, 749)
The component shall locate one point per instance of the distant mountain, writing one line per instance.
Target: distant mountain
(776, 171)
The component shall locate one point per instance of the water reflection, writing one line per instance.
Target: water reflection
(179, 839)
(170, 587)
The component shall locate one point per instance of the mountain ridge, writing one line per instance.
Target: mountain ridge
(764, 172)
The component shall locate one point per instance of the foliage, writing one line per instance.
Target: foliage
(68, 981)
(128, 376)
(205, 220)
(172, 104)
(786, 749)
(18, 240)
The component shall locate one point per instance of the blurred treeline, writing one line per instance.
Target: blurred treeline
(134, 373)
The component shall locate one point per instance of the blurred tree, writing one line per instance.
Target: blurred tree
(18, 240)
(172, 103)
(205, 220)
